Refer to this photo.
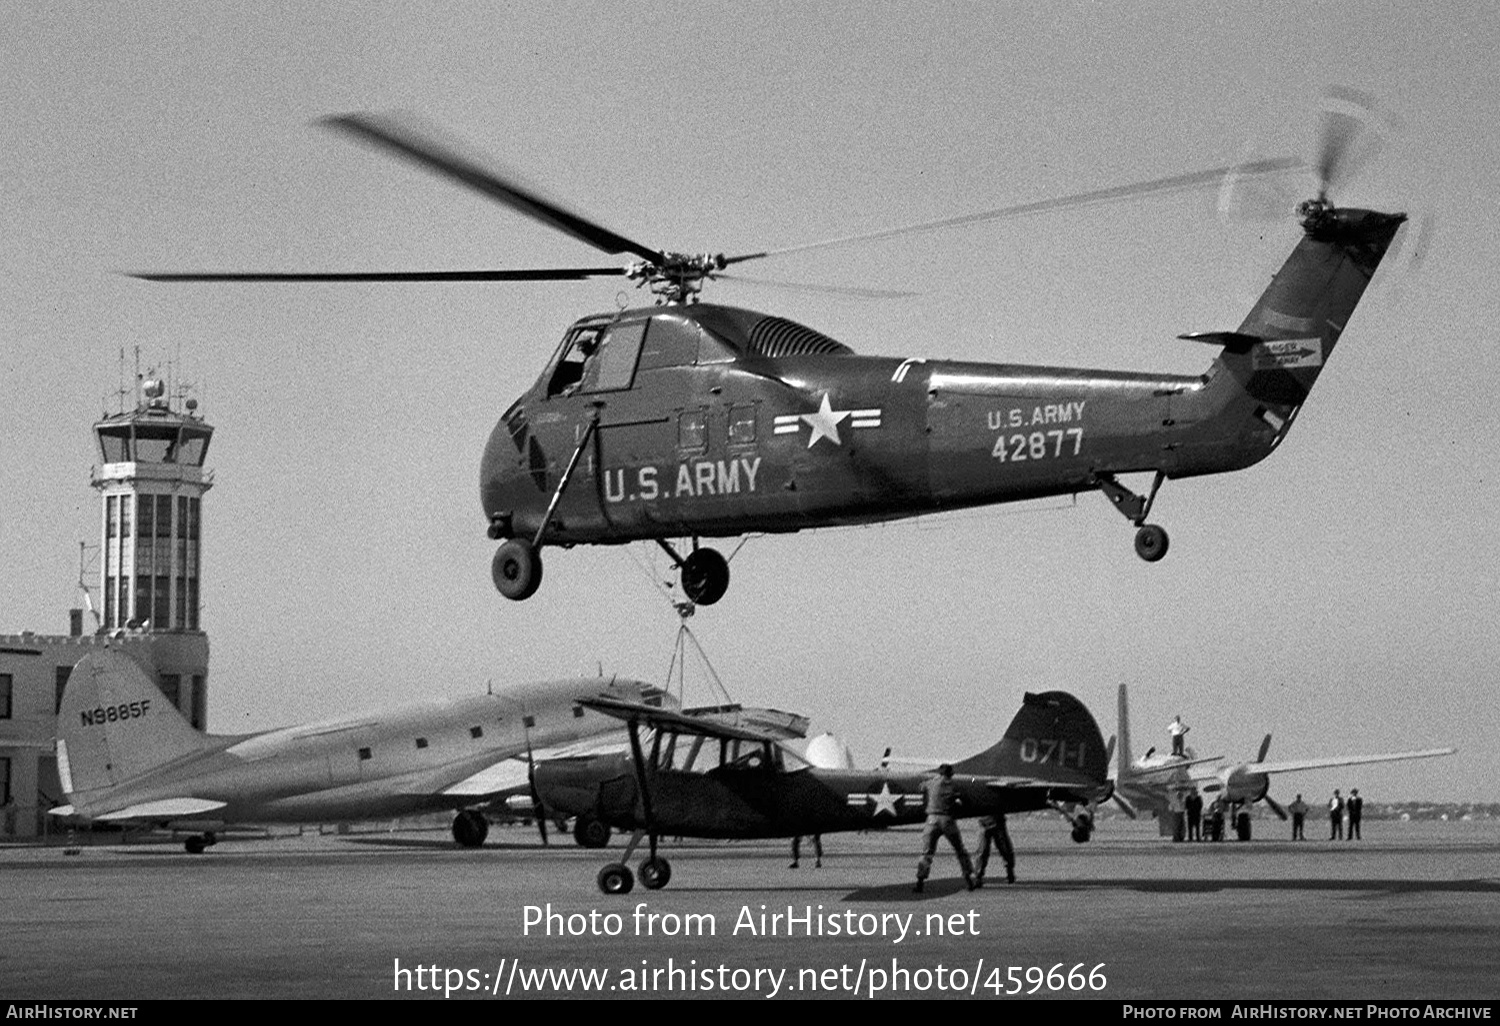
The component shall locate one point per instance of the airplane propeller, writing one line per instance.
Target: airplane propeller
(1265, 746)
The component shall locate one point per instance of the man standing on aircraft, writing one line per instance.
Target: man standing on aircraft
(1356, 811)
(942, 798)
(1298, 809)
(997, 835)
(1177, 729)
(1336, 816)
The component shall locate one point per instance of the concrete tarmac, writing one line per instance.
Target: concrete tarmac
(1412, 912)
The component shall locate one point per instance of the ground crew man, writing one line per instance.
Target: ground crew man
(1336, 816)
(997, 835)
(942, 799)
(1298, 809)
(1356, 808)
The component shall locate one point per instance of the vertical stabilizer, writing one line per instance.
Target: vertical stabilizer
(114, 725)
(1054, 736)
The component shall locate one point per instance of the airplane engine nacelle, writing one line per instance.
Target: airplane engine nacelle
(1238, 785)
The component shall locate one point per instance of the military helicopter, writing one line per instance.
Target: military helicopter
(691, 420)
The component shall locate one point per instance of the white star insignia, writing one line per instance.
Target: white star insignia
(885, 801)
(825, 422)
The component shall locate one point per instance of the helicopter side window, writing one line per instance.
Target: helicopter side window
(692, 429)
(612, 368)
(742, 424)
(573, 362)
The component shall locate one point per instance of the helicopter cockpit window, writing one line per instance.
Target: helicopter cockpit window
(612, 367)
(578, 350)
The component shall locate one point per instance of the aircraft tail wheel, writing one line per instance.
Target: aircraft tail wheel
(470, 829)
(517, 569)
(1151, 543)
(705, 576)
(1081, 834)
(655, 873)
(590, 833)
(616, 878)
(195, 845)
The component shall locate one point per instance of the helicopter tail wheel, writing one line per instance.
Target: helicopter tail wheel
(517, 569)
(1151, 543)
(705, 576)
(616, 878)
(655, 872)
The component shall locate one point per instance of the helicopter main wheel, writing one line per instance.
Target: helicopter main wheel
(616, 878)
(470, 828)
(705, 576)
(590, 832)
(517, 570)
(1151, 542)
(655, 872)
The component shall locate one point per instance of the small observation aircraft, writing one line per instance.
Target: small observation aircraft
(686, 420)
(126, 755)
(1158, 783)
(706, 779)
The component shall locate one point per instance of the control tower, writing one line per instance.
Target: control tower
(152, 480)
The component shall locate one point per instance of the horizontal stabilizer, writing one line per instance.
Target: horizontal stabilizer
(1166, 769)
(165, 808)
(1234, 341)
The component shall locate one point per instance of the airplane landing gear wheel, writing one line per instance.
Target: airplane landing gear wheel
(616, 878)
(590, 833)
(655, 873)
(1081, 834)
(470, 828)
(197, 844)
(517, 570)
(1151, 542)
(705, 576)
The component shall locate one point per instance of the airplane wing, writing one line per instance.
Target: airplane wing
(674, 722)
(781, 725)
(512, 774)
(1293, 765)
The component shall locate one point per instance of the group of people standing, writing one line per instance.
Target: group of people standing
(1340, 809)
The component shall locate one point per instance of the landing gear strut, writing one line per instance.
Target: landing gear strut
(705, 573)
(1150, 540)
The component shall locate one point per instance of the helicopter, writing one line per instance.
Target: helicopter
(689, 420)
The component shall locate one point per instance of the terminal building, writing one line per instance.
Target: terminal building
(151, 482)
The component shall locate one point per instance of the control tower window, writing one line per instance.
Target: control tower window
(114, 444)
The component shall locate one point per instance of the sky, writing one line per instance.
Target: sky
(1340, 595)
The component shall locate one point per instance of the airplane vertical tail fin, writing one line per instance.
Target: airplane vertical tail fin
(1267, 367)
(1122, 729)
(114, 724)
(1053, 737)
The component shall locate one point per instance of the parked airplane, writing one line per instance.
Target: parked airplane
(708, 779)
(1158, 784)
(126, 755)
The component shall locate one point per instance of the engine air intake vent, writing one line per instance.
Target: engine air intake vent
(777, 336)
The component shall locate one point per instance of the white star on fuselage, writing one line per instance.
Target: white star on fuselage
(825, 423)
(885, 801)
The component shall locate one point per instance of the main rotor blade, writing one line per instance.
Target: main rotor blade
(389, 134)
(1154, 187)
(532, 274)
(834, 290)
